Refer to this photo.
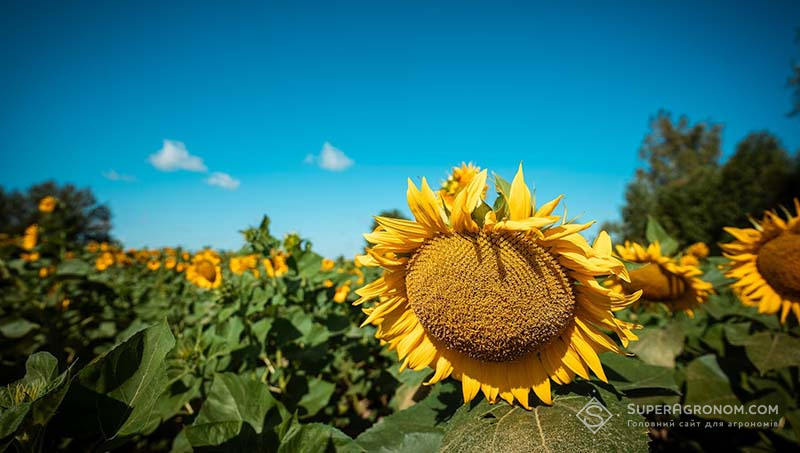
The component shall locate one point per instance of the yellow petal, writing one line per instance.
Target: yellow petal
(519, 198)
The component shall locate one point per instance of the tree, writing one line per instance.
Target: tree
(678, 182)
(760, 175)
(78, 217)
(686, 189)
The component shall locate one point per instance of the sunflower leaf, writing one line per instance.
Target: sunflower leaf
(659, 346)
(567, 425)
(656, 233)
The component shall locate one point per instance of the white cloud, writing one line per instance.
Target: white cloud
(174, 156)
(330, 158)
(223, 180)
(112, 175)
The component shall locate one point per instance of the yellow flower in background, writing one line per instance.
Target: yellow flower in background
(180, 267)
(341, 293)
(47, 204)
(65, 304)
(154, 265)
(676, 284)
(457, 181)
(328, 283)
(268, 268)
(142, 256)
(170, 262)
(279, 263)
(185, 256)
(328, 264)
(505, 305)
(69, 255)
(205, 271)
(765, 261)
(698, 250)
(104, 247)
(92, 247)
(104, 261)
(242, 264)
(46, 270)
(31, 237)
(33, 256)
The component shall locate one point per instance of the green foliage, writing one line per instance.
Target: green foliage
(686, 189)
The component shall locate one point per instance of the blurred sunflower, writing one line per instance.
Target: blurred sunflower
(765, 261)
(47, 204)
(504, 301)
(341, 293)
(698, 250)
(241, 264)
(104, 261)
(205, 271)
(279, 263)
(457, 181)
(327, 264)
(154, 265)
(675, 283)
(170, 262)
(31, 237)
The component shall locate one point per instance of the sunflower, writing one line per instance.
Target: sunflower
(31, 237)
(765, 261)
(698, 250)
(104, 261)
(205, 271)
(154, 265)
(457, 181)
(47, 204)
(241, 264)
(341, 293)
(327, 264)
(674, 282)
(170, 262)
(504, 301)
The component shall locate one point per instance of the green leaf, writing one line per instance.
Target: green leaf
(319, 393)
(417, 429)
(15, 327)
(41, 391)
(73, 268)
(659, 346)
(501, 203)
(708, 385)
(655, 233)
(769, 352)
(627, 374)
(484, 428)
(122, 386)
(236, 413)
(316, 437)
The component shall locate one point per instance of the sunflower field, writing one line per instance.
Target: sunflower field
(491, 321)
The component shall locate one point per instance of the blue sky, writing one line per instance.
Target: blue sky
(402, 89)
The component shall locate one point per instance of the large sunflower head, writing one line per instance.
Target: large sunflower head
(675, 282)
(205, 271)
(765, 261)
(458, 180)
(504, 300)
